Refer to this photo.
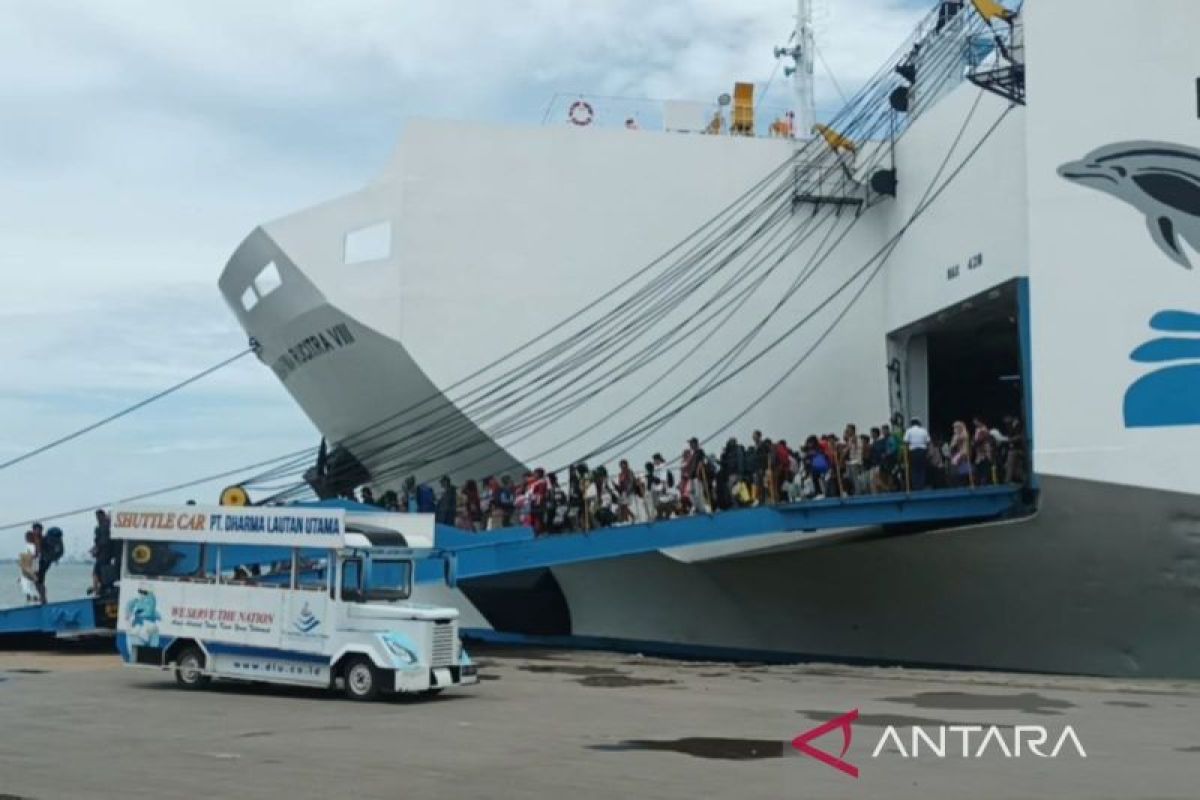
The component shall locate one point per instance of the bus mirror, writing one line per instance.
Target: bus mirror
(451, 568)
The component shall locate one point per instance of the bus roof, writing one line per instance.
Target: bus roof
(323, 528)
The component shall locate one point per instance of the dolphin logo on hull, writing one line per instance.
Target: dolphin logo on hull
(1159, 179)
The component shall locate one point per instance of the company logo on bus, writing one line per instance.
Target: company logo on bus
(307, 621)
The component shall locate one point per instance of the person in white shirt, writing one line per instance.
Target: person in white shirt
(917, 440)
(663, 491)
(27, 564)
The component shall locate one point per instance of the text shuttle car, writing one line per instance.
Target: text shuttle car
(285, 595)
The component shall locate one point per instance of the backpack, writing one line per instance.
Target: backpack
(426, 503)
(52, 546)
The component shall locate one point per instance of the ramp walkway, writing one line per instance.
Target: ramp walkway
(829, 521)
(460, 555)
(84, 616)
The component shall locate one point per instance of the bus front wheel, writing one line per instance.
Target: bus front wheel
(189, 668)
(362, 679)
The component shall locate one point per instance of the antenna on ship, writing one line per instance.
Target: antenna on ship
(803, 46)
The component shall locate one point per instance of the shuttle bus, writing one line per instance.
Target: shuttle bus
(284, 595)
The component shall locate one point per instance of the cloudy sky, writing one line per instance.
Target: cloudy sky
(140, 141)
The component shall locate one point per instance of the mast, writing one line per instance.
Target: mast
(802, 52)
(806, 113)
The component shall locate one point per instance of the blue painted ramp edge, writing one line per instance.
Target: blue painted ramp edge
(67, 616)
(515, 549)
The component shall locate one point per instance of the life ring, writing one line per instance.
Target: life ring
(152, 558)
(581, 113)
(235, 496)
(141, 554)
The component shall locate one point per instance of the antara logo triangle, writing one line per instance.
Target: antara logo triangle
(844, 722)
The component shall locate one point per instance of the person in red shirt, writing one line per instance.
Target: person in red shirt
(535, 491)
(783, 467)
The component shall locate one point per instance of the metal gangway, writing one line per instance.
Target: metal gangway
(824, 522)
(64, 619)
(460, 555)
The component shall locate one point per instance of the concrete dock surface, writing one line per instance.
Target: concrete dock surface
(571, 724)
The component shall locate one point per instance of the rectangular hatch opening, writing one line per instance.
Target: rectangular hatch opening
(969, 361)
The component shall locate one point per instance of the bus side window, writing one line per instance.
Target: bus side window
(253, 565)
(312, 570)
(352, 580)
(168, 560)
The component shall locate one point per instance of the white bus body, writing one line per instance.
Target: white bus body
(284, 595)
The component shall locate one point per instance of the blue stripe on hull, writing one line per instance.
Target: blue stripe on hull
(665, 649)
(699, 652)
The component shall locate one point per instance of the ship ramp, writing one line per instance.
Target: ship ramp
(65, 619)
(825, 522)
(462, 556)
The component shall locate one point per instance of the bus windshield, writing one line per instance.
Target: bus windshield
(384, 580)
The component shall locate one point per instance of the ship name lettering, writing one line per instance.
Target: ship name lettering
(310, 347)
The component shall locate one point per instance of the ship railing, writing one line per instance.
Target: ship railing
(996, 60)
(587, 111)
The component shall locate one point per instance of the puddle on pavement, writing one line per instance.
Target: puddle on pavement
(622, 681)
(26, 671)
(1126, 703)
(1026, 702)
(565, 669)
(1192, 749)
(703, 747)
(489, 677)
(604, 677)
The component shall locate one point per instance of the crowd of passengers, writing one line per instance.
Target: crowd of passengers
(890, 458)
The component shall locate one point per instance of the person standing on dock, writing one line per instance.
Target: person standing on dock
(34, 537)
(50, 551)
(916, 438)
(104, 552)
(27, 564)
(697, 473)
(983, 447)
(758, 455)
(447, 503)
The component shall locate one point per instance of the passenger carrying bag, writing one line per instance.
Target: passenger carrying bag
(52, 546)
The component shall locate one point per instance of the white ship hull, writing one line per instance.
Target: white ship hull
(495, 234)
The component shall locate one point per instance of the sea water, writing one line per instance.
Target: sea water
(63, 582)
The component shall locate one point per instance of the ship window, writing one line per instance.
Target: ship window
(370, 243)
(268, 280)
(249, 298)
